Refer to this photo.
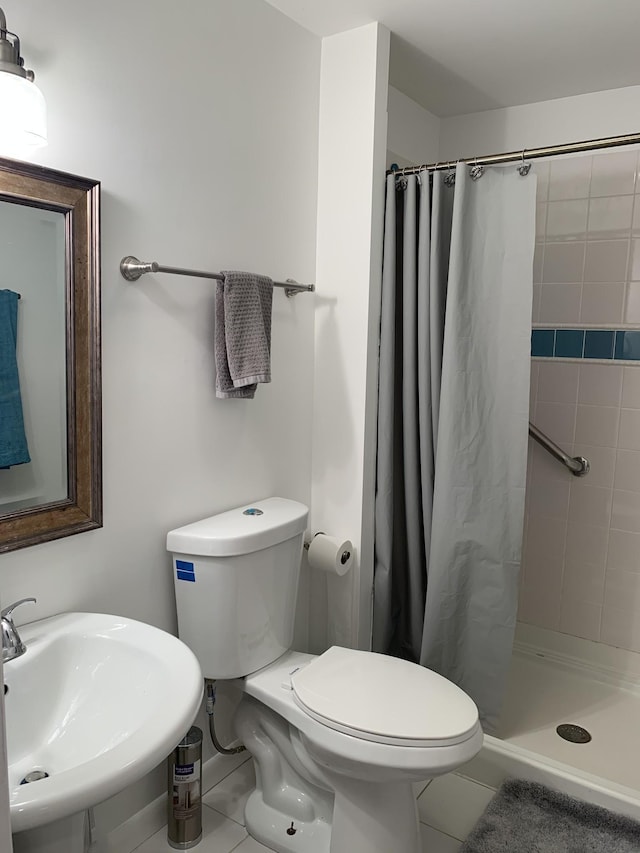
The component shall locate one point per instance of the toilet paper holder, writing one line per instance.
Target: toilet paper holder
(344, 557)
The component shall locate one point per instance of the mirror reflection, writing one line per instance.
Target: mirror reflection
(33, 421)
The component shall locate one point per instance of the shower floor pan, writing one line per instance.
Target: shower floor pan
(583, 684)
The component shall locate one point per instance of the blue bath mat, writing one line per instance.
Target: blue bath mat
(525, 817)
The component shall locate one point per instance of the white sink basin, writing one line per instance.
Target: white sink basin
(96, 701)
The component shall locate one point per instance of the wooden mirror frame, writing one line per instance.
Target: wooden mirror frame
(78, 199)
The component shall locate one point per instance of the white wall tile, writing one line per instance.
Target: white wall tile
(540, 607)
(564, 262)
(623, 551)
(631, 388)
(597, 425)
(602, 464)
(622, 590)
(545, 470)
(635, 222)
(533, 383)
(625, 511)
(610, 217)
(558, 382)
(602, 304)
(629, 437)
(580, 619)
(538, 256)
(634, 261)
(620, 628)
(627, 474)
(541, 220)
(580, 529)
(586, 543)
(613, 174)
(550, 530)
(543, 571)
(567, 220)
(557, 420)
(632, 303)
(535, 303)
(570, 178)
(601, 384)
(590, 505)
(582, 582)
(544, 500)
(560, 304)
(606, 260)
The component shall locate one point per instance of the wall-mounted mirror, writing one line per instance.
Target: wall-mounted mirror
(50, 385)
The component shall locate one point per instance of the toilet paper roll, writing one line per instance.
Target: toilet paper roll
(329, 554)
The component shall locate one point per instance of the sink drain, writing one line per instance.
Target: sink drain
(573, 733)
(34, 776)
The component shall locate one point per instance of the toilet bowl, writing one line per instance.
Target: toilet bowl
(337, 739)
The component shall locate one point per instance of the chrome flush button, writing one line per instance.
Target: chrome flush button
(253, 511)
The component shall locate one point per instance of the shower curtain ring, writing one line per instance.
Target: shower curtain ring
(524, 168)
(450, 177)
(476, 172)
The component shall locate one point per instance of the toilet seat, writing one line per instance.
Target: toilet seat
(383, 699)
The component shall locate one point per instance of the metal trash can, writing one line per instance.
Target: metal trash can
(184, 789)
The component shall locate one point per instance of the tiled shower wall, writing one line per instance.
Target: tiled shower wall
(581, 560)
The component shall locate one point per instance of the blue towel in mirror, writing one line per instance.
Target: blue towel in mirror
(13, 441)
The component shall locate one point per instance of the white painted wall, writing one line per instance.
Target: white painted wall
(413, 134)
(609, 113)
(203, 129)
(353, 129)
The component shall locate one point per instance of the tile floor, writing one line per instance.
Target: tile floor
(448, 808)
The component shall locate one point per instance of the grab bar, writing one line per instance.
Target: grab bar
(578, 465)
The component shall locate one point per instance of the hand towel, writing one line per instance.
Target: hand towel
(242, 333)
(13, 441)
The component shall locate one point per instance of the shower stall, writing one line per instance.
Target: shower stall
(572, 702)
(573, 698)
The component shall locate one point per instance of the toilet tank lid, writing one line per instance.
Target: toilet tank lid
(243, 530)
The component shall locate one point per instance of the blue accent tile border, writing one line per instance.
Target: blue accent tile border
(613, 344)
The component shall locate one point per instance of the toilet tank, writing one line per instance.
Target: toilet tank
(236, 581)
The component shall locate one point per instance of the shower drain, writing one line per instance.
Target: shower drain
(573, 733)
(34, 776)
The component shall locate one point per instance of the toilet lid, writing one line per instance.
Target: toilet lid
(384, 699)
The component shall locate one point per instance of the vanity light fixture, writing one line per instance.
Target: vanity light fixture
(23, 112)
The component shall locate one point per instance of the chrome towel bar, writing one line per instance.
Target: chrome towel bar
(131, 269)
(578, 465)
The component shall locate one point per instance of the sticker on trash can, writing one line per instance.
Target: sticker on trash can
(186, 790)
(185, 571)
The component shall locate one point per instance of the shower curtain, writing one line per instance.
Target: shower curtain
(453, 423)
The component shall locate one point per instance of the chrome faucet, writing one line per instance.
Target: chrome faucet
(12, 645)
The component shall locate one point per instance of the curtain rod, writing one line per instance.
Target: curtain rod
(528, 153)
(131, 269)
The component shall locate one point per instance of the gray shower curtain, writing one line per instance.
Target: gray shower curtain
(452, 423)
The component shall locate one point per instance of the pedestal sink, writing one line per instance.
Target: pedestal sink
(95, 702)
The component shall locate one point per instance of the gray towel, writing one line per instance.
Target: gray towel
(242, 333)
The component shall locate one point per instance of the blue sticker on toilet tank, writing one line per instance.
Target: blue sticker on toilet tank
(185, 571)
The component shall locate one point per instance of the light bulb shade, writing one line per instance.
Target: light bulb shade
(23, 115)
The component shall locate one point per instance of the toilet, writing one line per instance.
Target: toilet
(337, 739)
